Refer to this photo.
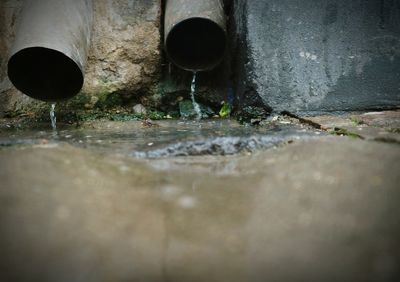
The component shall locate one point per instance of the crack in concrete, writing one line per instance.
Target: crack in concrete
(340, 131)
(303, 120)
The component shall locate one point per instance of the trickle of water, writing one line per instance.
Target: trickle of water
(193, 92)
(53, 117)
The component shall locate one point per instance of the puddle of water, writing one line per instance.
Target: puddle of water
(168, 139)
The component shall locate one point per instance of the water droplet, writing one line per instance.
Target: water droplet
(187, 202)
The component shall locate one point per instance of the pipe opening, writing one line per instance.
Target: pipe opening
(196, 44)
(45, 74)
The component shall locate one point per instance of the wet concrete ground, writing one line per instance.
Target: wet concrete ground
(294, 203)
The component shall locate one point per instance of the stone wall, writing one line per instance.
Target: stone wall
(10, 99)
(125, 53)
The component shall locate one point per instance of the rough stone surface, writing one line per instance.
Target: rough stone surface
(125, 53)
(389, 120)
(139, 109)
(377, 126)
(10, 98)
(329, 55)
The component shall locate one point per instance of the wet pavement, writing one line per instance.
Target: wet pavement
(163, 138)
(282, 202)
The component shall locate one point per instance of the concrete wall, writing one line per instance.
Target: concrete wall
(318, 55)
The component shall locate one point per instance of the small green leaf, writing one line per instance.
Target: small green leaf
(225, 110)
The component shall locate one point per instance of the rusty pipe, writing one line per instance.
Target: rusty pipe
(195, 33)
(50, 49)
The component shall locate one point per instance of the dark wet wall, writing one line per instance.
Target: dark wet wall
(317, 55)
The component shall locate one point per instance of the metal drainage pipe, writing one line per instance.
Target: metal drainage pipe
(195, 33)
(50, 50)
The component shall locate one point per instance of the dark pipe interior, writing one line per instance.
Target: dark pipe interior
(196, 44)
(45, 74)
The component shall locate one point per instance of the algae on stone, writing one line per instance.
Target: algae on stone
(187, 110)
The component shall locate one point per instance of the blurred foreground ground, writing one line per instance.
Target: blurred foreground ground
(301, 200)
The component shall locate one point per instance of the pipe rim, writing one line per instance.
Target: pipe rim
(217, 34)
(45, 74)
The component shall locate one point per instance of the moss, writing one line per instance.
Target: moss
(108, 100)
(77, 102)
(155, 114)
(356, 121)
(174, 114)
(250, 114)
(187, 110)
(167, 86)
(169, 94)
(106, 104)
(14, 114)
(343, 132)
(126, 117)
